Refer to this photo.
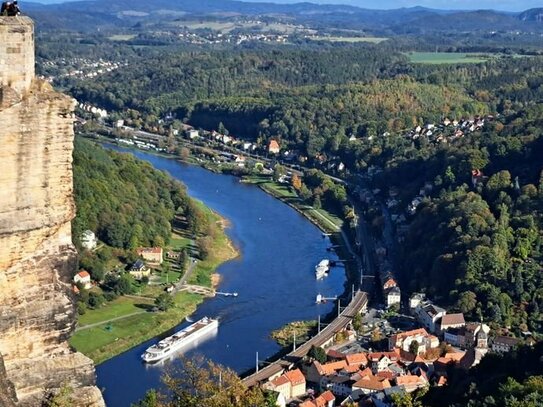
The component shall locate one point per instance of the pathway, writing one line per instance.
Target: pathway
(80, 328)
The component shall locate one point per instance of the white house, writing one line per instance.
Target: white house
(393, 296)
(193, 133)
(88, 240)
(83, 278)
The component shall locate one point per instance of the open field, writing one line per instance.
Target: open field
(447, 57)
(117, 308)
(221, 250)
(373, 40)
(111, 338)
(122, 37)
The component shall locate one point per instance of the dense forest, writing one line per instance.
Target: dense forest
(125, 201)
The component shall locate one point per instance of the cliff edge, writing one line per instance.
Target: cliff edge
(37, 257)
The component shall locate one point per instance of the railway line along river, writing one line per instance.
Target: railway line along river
(274, 277)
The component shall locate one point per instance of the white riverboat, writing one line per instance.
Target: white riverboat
(186, 336)
(322, 268)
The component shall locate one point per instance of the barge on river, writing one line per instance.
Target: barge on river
(186, 336)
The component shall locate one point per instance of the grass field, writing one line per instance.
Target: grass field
(373, 40)
(221, 251)
(109, 339)
(447, 58)
(117, 308)
(122, 37)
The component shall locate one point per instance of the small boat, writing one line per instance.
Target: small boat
(186, 336)
(321, 269)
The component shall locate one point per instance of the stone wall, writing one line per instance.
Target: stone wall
(37, 257)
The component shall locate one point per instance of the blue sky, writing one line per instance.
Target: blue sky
(509, 5)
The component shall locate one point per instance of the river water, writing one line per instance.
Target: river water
(274, 277)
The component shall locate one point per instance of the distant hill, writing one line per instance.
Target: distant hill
(534, 14)
(103, 14)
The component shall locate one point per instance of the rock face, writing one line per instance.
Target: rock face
(37, 257)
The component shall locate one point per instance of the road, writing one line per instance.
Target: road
(357, 305)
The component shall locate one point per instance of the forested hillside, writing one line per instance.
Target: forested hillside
(125, 201)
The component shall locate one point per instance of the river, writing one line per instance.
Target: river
(274, 277)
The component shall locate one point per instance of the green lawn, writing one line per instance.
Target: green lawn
(447, 57)
(107, 340)
(116, 308)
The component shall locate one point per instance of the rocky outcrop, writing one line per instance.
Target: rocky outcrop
(37, 257)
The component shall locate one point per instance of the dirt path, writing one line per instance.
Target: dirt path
(107, 321)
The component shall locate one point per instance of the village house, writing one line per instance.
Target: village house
(379, 361)
(415, 300)
(449, 321)
(326, 399)
(368, 385)
(88, 240)
(139, 270)
(83, 278)
(403, 340)
(290, 384)
(274, 147)
(503, 344)
(193, 134)
(393, 296)
(429, 314)
(150, 254)
(240, 161)
(412, 382)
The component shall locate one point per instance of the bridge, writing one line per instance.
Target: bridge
(357, 304)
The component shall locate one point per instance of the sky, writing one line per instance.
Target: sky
(507, 5)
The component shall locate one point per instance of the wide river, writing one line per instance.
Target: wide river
(274, 277)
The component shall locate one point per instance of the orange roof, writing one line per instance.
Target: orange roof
(441, 381)
(366, 372)
(76, 290)
(83, 274)
(329, 368)
(357, 359)
(307, 403)
(372, 383)
(328, 396)
(445, 360)
(406, 380)
(279, 381)
(414, 332)
(273, 145)
(379, 355)
(351, 368)
(386, 375)
(452, 319)
(295, 376)
(455, 356)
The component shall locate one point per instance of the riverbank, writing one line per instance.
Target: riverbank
(128, 321)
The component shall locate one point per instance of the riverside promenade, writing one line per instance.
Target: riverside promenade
(358, 304)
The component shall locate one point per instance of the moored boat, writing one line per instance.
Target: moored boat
(186, 336)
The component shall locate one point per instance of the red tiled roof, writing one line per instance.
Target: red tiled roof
(452, 319)
(295, 376)
(406, 380)
(372, 383)
(329, 368)
(414, 332)
(386, 375)
(379, 355)
(328, 396)
(334, 354)
(273, 145)
(83, 274)
(279, 381)
(356, 359)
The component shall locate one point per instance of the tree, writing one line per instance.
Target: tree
(184, 153)
(317, 353)
(164, 302)
(125, 285)
(198, 382)
(60, 398)
(204, 244)
(414, 347)
(357, 322)
(467, 302)
(278, 172)
(222, 130)
(296, 182)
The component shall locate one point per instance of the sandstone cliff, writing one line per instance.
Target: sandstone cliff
(37, 258)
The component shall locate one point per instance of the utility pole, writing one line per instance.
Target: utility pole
(294, 350)
(338, 307)
(319, 325)
(257, 361)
